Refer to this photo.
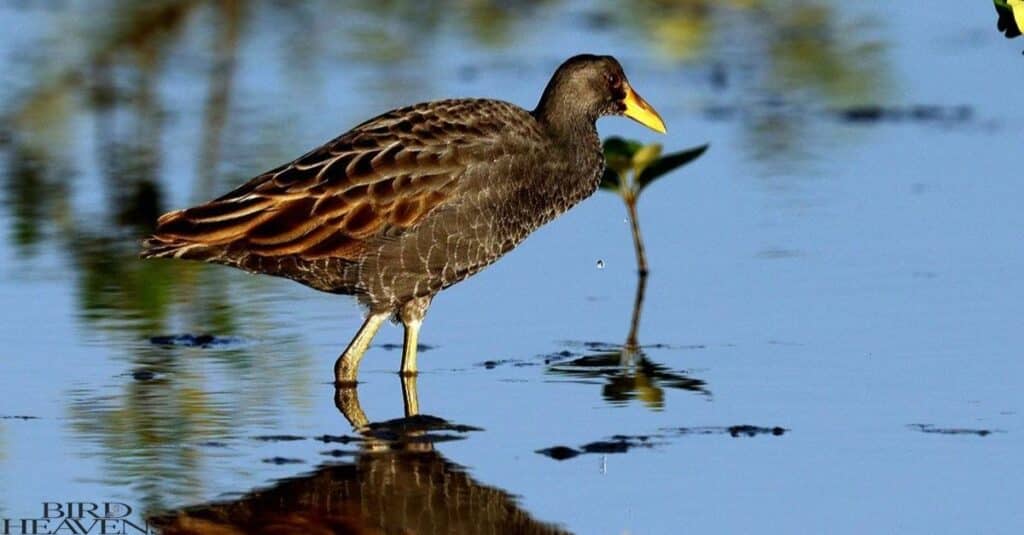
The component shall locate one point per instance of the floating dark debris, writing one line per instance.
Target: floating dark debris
(143, 375)
(607, 446)
(339, 453)
(930, 429)
(624, 443)
(616, 444)
(559, 453)
(18, 417)
(339, 439)
(733, 431)
(518, 363)
(753, 430)
(491, 364)
(392, 347)
(278, 438)
(282, 460)
(204, 341)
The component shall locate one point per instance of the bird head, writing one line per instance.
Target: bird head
(595, 86)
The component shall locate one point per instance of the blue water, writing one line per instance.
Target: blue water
(843, 280)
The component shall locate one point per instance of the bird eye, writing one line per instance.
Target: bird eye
(613, 79)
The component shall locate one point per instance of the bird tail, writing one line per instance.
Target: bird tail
(157, 246)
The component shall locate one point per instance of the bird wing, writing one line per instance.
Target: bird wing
(381, 178)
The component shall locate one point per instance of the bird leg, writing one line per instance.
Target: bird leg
(410, 397)
(347, 366)
(411, 314)
(346, 399)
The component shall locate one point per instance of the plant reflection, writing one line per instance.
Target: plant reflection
(396, 483)
(629, 374)
(626, 369)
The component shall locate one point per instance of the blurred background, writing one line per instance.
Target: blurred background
(843, 263)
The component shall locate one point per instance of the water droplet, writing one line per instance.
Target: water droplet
(600, 264)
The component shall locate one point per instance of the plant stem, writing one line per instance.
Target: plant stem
(638, 241)
(638, 303)
(641, 283)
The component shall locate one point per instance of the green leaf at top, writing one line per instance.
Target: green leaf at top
(618, 158)
(620, 147)
(668, 163)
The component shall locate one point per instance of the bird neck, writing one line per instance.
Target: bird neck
(565, 120)
(571, 129)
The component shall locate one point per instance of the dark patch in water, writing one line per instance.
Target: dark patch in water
(282, 460)
(918, 113)
(607, 446)
(340, 439)
(733, 431)
(624, 443)
(143, 375)
(563, 354)
(931, 429)
(19, 417)
(753, 431)
(213, 444)
(392, 347)
(203, 341)
(339, 453)
(559, 453)
(518, 363)
(278, 438)
(616, 444)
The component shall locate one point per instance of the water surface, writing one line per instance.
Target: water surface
(843, 264)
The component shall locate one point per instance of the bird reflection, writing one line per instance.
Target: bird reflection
(396, 483)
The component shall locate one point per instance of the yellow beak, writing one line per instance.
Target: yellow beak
(640, 111)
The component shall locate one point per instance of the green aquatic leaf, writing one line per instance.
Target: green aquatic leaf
(618, 156)
(616, 146)
(644, 157)
(668, 163)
